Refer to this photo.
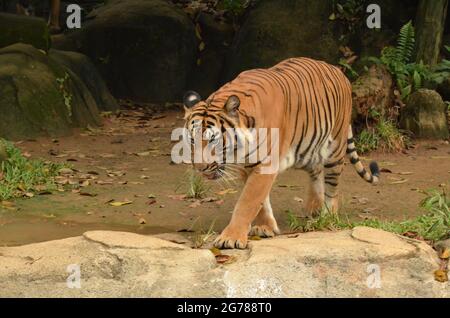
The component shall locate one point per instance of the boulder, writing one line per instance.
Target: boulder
(425, 115)
(24, 29)
(144, 49)
(275, 30)
(86, 71)
(362, 262)
(216, 38)
(38, 96)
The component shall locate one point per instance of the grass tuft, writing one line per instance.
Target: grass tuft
(432, 226)
(196, 186)
(19, 175)
(385, 136)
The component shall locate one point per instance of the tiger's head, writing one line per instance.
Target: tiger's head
(212, 128)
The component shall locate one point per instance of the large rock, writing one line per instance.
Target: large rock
(144, 49)
(24, 29)
(86, 71)
(217, 37)
(276, 30)
(425, 115)
(39, 96)
(362, 262)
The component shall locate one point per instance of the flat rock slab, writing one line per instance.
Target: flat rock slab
(362, 262)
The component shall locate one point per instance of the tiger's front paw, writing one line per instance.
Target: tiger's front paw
(231, 238)
(263, 230)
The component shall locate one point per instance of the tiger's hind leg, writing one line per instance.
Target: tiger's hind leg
(316, 191)
(265, 224)
(333, 173)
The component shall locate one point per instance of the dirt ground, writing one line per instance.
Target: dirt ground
(128, 159)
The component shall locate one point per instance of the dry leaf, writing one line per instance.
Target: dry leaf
(195, 204)
(441, 276)
(445, 254)
(299, 200)
(226, 191)
(255, 238)
(120, 203)
(178, 197)
(225, 259)
(142, 221)
(216, 251)
(143, 154)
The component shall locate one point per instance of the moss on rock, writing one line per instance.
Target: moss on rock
(38, 96)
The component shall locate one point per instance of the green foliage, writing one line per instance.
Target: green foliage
(235, 7)
(441, 71)
(348, 69)
(432, 226)
(384, 136)
(409, 75)
(196, 187)
(349, 12)
(21, 175)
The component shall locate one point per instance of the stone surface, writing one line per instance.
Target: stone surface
(39, 96)
(322, 264)
(276, 30)
(82, 66)
(217, 37)
(144, 49)
(425, 115)
(23, 29)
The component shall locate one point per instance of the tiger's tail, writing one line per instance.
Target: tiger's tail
(374, 174)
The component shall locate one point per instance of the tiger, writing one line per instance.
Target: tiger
(309, 102)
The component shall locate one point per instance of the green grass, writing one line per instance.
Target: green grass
(385, 136)
(434, 225)
(196, 186)
(20, 175)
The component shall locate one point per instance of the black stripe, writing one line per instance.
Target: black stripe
(350, 140)
(349, 151)
(354, 160)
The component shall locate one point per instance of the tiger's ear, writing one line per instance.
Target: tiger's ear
(232, 105)
(190, 99)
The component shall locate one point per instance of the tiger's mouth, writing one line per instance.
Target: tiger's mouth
(212, 175)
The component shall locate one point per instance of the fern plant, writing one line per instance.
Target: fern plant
(409, 76)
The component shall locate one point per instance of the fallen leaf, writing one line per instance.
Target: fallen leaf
(65, 171)
(225, 259)
(178, 197)
(120, 203)
(142, 221)
(299, 200)
(255, 238)
(143, 154)
(216, 251)
(195, 204)
(209, 199)
(441, 276)
(88, 194)
(226, 191)
(445, 254)
(399, 181)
